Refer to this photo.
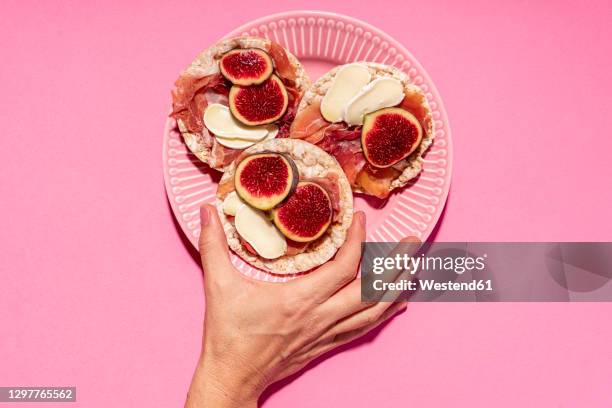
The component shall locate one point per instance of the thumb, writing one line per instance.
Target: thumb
(214, 252)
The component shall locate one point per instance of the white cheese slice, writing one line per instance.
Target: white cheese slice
(349, 80)
(272, 132)
(235, 143)
(219, 120)
(256, 229)
(378, 94)
(232, 204)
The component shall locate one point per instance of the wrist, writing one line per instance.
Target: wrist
(222, 384)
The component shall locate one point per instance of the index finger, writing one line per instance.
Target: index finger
(331, 277)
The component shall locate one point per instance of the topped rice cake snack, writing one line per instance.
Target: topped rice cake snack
(234, 94)
(285, 205)
(372, 120)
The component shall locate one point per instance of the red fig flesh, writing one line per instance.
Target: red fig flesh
(248, 66)
(306, 214)
(264, 180)
(259, 104)
(389, 135)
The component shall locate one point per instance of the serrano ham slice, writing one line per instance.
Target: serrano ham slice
(282, 65)
(222, 156)
(351, 158)
(415, 103)
(377, 182)
(294, 248)
(189, 98)
(308, 122)
(226, 187)
(284, 123)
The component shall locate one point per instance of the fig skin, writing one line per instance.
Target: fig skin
(304, 215)
(259, 97)
(383, 147)
(266, 178)
(246, 66)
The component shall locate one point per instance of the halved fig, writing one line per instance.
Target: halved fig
(389, 135)
(249, 66)
(259, 104)
(264, 180)
(306, 214)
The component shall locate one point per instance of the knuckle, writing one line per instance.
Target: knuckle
(303, 294)
(367, 304)
(313, 328)
(375, 315)
(370, 319)
(347, 275)
(288, 306)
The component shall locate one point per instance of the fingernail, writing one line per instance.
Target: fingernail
(204, 215)
(362, 219)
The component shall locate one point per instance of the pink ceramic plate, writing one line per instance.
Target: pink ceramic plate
(321, 41)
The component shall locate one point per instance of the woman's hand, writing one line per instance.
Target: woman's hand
(257, 333)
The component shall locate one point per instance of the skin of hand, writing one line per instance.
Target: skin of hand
(257, 333)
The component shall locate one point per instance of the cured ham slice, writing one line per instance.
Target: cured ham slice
(226, 187)
(189, 99)
(350, 157)
(282, 65)
(376, 182)
(338, 133)
(415, 103)
(308, 122)
(247, 246)
(284, 123)
(222, 156)
(294, 248)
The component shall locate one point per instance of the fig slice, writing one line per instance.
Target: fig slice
(390, 135)
(248, 66)
(306, 214)
(259, 104)
(264, 180)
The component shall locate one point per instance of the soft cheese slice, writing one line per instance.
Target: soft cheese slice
(256, 229)
(272, 131)
(380, 93)
(232, 204)
(237, 143)
(234, 143)
(349, 80)
(219, 120)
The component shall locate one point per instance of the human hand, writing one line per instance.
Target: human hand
(257, 333)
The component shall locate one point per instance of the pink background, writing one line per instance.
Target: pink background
(99, 289)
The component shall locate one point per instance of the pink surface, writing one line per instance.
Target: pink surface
(100, 291)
